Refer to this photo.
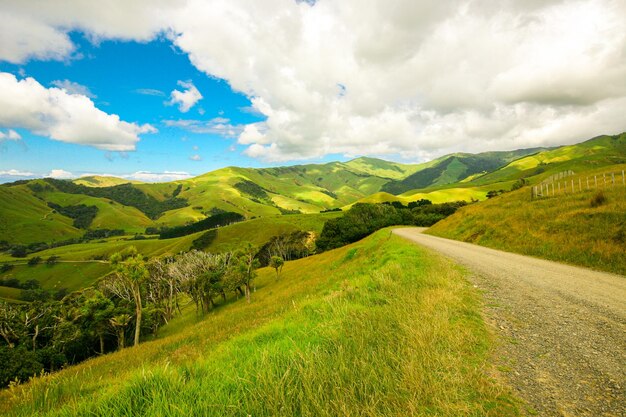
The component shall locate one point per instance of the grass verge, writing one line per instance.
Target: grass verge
(377, 328)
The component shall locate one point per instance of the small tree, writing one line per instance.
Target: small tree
(130, 274)
(277, 263)
(119, 323)
(244, 268)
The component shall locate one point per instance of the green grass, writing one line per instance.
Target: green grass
(26, 219)
(565, 228)
(70, 275)
(378, 328)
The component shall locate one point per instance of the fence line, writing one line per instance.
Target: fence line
(576, 185)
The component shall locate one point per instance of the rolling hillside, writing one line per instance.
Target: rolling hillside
(455, 168)
(304, 346)
(26, 218)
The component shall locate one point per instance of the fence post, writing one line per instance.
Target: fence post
(623, 177)
(580, 185)
(604, 178)
(613, 176)
(595, 178)
(572, 186)
(587, 182)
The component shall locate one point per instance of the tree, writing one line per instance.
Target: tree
(130, 274)
(243, 271)
(119, 323)
(277, 263)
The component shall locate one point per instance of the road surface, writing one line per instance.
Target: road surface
(562, 344)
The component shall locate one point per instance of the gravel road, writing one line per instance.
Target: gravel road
(562, 329)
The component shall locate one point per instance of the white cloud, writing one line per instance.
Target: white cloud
(195, 157)
(16, 173)
(9, 135)
(71, 87)
(417, 78)
(158, 176)
(185, 99)
(216, 126)
(150, 92)
(60, 174)
(71, 118)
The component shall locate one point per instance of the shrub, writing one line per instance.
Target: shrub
(598, 199)
(34, 260)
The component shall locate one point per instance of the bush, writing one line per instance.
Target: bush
(34, 260)
(598, 199)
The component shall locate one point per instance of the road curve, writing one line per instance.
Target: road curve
(563, 329)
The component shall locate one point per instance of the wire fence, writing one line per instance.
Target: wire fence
(567, 183)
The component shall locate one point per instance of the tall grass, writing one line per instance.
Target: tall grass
(378, 328)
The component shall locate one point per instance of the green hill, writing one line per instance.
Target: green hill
(455, 168)
(26, 218)
(305, 345)
(103, 181)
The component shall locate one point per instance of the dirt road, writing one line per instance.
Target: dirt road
(562, 344)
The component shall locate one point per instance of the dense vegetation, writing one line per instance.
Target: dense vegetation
(81, 214)
(252, 189)
(126, 194)
(217, 220)
(139, 296)
(364, 219)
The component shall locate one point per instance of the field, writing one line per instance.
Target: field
(566, 228)
(81, 263)
(377, 328)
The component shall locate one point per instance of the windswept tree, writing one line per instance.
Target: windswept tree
(9, 323)
(126, 282)
(243, 270)
(202, 276)
(277, 263)
(162, 288)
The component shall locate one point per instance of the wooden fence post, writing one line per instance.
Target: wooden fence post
(595, 178)
(587, 182)
(613, 176)
(580, 185)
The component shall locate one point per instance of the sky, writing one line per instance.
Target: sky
(160, 90)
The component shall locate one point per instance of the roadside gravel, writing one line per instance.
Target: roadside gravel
(562, 329)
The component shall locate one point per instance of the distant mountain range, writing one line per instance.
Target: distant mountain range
(27, 214)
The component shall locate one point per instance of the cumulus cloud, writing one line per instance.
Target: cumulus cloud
(195, 157)
(60, 174)
(158, 176)
(9, 135)
(59, 115)
(411, 78)
(187, 98)
(71, 87)
(16, 173)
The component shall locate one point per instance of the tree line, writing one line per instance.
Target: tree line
(364, 219)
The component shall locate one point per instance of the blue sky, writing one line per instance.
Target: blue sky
(134, 80)
(143, 88)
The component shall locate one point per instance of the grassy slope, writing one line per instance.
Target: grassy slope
(111, 215)
(26, 219)
(585, 156)
(377, 328)
(565, 228)
(70, 275)
(103, 181)
(257, 231)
